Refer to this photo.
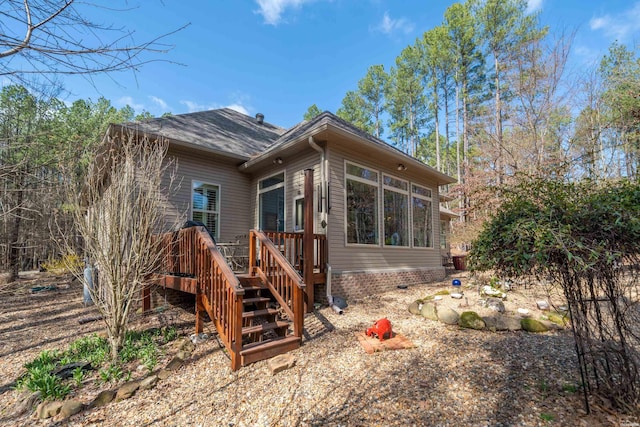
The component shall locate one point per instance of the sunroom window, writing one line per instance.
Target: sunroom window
(396, 211)
(205, 200)
(362, 205)
(422, 216)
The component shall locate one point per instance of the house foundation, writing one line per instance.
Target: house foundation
(359, 284)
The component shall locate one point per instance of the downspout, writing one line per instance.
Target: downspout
(323, 213)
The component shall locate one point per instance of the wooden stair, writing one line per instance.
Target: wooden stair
(265, 333)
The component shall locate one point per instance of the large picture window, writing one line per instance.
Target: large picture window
(206, 205)
(422, 216)
(396, 211)
(362, 205)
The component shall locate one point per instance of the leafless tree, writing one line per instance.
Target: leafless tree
(49, 38)
(126, 205)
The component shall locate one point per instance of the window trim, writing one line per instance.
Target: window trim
(376, 184)
(260, 191)
(407, 194)
(219, 212)
(295, 216)
(431, 199)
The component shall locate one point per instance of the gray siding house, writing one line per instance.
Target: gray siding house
(377, 206)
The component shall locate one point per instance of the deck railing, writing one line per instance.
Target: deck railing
(282, 279)
(290, 245)
(191, 252)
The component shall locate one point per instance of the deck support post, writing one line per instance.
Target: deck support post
(307, 239)
(199, 312)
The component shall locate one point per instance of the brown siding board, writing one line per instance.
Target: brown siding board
(344, 257)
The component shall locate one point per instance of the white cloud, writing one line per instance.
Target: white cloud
(160, 103)
(621, 26)
(389, 25)
(239, 108)
(127, 100)
(534, 5)
(272, 10)
(193, 107)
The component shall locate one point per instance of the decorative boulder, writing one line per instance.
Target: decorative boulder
(127, 390)
(543, 305)
(71, 407)
(429, 311)
(471, 320)
(48, 409)
(490, 323)
(508, 323)
(494, 304)
(557, 318)
(488, 291)
(448, 315)
(104, 397)
(414, 307)
(532, 325)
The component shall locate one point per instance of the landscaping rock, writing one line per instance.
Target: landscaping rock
(198, 338)
(490, 323)
(532, 325)
(494, 304)
(429, 311)
(508, 323)
(456, 295)
(71, 407)
(488, 291)
(149, 382)
(48, 409)
(164, 374)
(448, 315)
(471, 320)
(543, 305)
(26, 403)
(414, 307)
(175, 364)
(127, 390)
(523, 311)
(557, 318)
(187, 346)
(280, 363)
(104, 397)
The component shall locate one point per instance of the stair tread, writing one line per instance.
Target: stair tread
(255, 299)
(252, 288)
(264, 327)
(261, 312)
(267, 344)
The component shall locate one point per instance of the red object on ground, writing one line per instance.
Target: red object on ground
(381, 328)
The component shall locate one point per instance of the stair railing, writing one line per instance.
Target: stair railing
(192, 252)
(290, 245)
(282, 279)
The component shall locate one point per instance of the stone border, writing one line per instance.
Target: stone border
(61, 410)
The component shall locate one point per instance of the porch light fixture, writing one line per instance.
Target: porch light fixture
(401, 167)
(278, 161)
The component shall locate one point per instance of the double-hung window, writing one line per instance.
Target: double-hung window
(421, 203)
(362, 205)
(396, 211)
(205, 200)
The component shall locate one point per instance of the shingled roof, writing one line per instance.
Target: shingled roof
(223, 130)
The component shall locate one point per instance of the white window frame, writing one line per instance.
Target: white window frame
(218, 204)
(376, 184)
(409, 218)
(271, 188)
(433, 226)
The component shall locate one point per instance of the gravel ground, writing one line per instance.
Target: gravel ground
(452, 377)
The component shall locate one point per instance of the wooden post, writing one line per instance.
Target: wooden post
(252, 252)
(199, 311)
(307, 239)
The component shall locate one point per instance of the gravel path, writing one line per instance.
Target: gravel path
(452, 377)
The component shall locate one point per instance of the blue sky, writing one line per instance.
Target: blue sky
(278, 57)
